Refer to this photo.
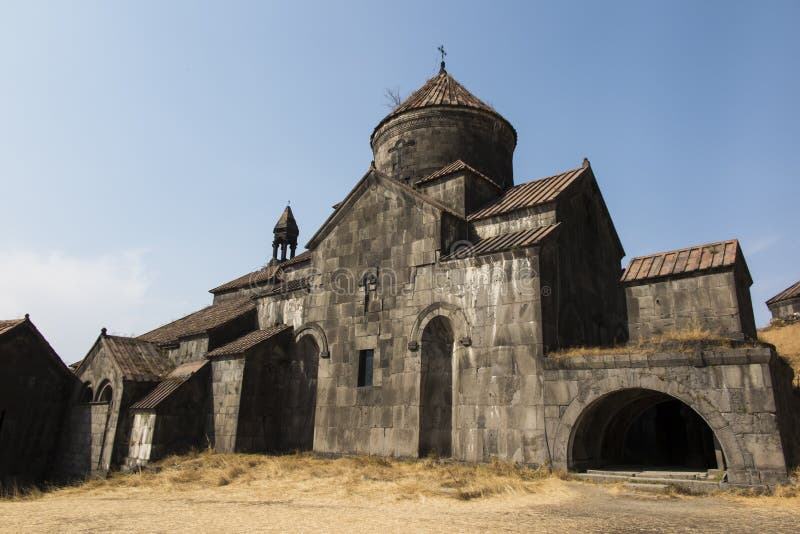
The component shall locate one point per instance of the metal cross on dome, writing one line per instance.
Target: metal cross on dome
(441, 51)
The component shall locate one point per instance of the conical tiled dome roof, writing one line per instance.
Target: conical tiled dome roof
(441, 90)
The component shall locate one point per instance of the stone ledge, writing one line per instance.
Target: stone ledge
(741, 356)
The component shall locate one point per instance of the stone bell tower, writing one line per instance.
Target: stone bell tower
(286, 233)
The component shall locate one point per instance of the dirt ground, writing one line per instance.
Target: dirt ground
(302, 494)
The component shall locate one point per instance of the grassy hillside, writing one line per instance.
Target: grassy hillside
(786, 339)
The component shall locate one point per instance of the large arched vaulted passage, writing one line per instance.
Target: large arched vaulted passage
(436, 388)
(643, 428)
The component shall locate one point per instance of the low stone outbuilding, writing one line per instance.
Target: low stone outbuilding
(705, 287)
(116, 372)
(786, 304)
(34, 391)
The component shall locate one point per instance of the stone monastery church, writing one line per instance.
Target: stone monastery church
(433, 314)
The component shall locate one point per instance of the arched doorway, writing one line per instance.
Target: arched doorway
(436, 388)
(303, 393)
(641, 428)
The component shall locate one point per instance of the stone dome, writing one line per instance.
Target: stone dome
(438, 124)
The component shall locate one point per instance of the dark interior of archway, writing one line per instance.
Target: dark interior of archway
(641, 428)
(436, 389)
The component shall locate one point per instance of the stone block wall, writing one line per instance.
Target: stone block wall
(708, 301)
(227, 374)
(785, 309)
(422, 141)
(33, 395)
(140, 450)
(82, 442)
(492, 304)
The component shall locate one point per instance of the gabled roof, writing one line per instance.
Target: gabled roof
(791, 292)
(248, 341)
(530, 194)
(452, 168)
(288, 287)
(7, 326)
(136, 359)
(257, 279)
(179, 376)
(355, 194)
(440, 91)
(200, 321)
(503, 242)
(687, 260)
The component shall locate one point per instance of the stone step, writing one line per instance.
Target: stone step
(612, 472)
(688, 475)
(647, 487)
(688, 485)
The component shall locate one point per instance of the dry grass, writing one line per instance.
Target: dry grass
(676, 341)
(786, 340)
(355, 475)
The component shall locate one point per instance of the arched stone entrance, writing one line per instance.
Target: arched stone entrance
(436, 388)
(302, 393)
(643, 428)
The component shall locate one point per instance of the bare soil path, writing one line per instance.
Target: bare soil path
(207, 492)
(556, 506)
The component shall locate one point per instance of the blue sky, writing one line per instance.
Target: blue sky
(147, 148)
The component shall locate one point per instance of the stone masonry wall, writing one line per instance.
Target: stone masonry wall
(785, 308)
(707, 301)
(82, 441)
(492, 304)
(227, 374)
(422, 141)
(33, 395)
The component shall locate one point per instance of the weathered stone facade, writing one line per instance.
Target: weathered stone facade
(423, 319)
(35, 386)
(705, 288)
(786, 304)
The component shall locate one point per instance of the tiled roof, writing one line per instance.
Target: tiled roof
(169, 385)
(441, 90)
(138, 360)
(529, 194)
(248, 341)
(456, 166)
(288, 287)
(262, 276)
(200, 321)
(286, 220)
(502, 242)
(687, 260)
(8, 324)
(790, 292)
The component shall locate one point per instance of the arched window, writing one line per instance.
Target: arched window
(105, 393)
(86, 393)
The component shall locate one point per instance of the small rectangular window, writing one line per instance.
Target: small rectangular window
(365, 359)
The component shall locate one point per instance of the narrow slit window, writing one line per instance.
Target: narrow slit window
(365, 360)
